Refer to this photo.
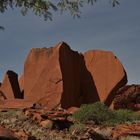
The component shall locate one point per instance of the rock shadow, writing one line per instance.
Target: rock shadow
(13, 78)
(113, 93)
(88, 88)
(78, 85)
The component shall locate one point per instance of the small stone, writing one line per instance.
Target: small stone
(46, 123)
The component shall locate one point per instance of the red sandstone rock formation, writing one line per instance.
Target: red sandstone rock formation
(107, 73)
(10, 86)
(59, 75)
(128, 97)
(53, 76)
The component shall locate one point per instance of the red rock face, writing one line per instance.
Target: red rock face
(128, 97)
(53, 76)
(10, 86)
(107, 73)
(42, 74)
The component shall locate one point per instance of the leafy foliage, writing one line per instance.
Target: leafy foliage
(101, 114)
(1, 28)
(124, 115)
(46, 7)
(96, 112)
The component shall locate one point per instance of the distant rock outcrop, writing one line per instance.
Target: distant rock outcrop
(10, 86)
(107, 73)
(128, 97)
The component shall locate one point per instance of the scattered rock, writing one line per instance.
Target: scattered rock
(21, 135)
(94, 135)
(37, 117)
(125, 130)
(72, 110)
(47, 124)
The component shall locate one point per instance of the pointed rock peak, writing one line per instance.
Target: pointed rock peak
(10, 86)
(11, 73)
(61, 45)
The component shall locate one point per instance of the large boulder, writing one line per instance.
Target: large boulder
(55, 76)
(10, 87)
(107, 73)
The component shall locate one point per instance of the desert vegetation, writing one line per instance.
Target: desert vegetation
(101, 114)
(90, 121)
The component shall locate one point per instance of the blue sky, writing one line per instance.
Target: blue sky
(100, 27)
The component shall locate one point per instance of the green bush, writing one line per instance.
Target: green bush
(101, 114)
(124, 115)
(96, 112)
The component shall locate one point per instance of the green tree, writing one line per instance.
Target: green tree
(46, 8)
